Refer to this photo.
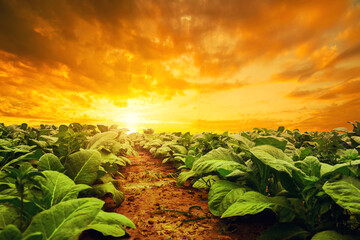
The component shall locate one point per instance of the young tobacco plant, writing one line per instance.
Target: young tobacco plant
(25, 179)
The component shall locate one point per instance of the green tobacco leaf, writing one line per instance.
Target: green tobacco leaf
(356, 139)
(230, 198)
(280, 129)
(63, 128)
(345, 192)
(244, 143)
(217, 193)
(310, 166)
(332, 235)
(278, 164)
(305, 152)
(341, 129)
(101, 138)
(102, 189)
(112, 158)
(284, 231)
(10, 232)
(209, 166)
(223, 172)
(206, 182)
(181, 179)
(327, 169)
(254, 202)
(211, 162)
(189, 161)
(57, 187)
(82, 166)
(30, 209)
(111, 224)
(163, 152)
(277, 142)
(220, 154)
(348, 155)
(20, 159)
(5, 143)
(179, 149)
(49, 161)
(65, 220)
(273, 151)
(218, 158)
(8, 215)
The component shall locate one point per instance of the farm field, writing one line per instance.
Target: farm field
(183, 120)
(87, 182)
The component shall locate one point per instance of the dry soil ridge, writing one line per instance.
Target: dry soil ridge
(150, 188)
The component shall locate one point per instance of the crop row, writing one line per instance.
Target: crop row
(309, 180)
(50, 176)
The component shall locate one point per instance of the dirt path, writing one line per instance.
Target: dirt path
(150, 189)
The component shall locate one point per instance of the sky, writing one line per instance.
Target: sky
(181, 65)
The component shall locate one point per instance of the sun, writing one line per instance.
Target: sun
(132, 121)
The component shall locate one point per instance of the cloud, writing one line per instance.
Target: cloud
(222, 37)
(335, 115)
(59, 57)
(351, 52)
(337, 92)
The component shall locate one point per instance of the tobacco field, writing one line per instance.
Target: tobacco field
(76, 182)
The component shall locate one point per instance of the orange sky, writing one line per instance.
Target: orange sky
(196, 65)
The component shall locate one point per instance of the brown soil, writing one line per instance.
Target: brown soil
(153, 202)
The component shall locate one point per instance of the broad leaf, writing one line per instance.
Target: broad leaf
(189, 161)
(209, 166)
(244, 143)
(310, 166)
(101, 138)
(273, 151)
(5, 143)
(327, 169)
(49, 161)
(217, 193)
(30, 208)
(341, 129)
(10, 232)
(179, 149)
(82, 166)
(332, 235)
(211, 162)
(345, 192)
(163, 152)
(181, 179)
(102, 189)
(65, 220)
(220, 154)
(8, 215)
(230, 198)
(206, 182)
(268, 159)
(111, 224)
(20, 159)
(277, 142)
(57, 187)
(254, 202)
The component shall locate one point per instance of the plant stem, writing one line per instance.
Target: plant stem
(21, 207)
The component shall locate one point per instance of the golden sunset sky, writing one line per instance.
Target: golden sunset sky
(198, 65)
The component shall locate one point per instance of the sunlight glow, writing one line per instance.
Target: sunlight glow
(131, 121)
(131, 130)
